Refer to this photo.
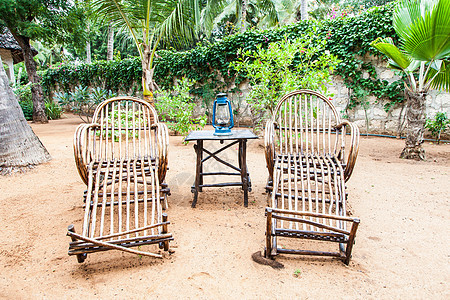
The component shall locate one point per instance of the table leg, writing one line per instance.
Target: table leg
(201, 168)
(198, 150)
(243, 165)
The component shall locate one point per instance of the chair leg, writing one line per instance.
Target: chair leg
(269, 185)
(166, 203)
(166, 243)
(342, 249)
(350, 242)
(268, 252)
(80, 257)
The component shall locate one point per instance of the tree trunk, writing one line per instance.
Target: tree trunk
(304, 10)
(257, 121)
(415, 126)
(19, 146)
(39, 115)
(244, 16)
(88, 52)
(147, 75)
(110, 46)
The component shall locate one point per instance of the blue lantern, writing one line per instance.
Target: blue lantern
(222, 115)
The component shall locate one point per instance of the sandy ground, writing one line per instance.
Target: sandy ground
(401, 250)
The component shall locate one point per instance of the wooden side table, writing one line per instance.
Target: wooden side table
(237, 137)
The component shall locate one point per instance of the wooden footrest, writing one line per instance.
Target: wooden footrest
(321, 236)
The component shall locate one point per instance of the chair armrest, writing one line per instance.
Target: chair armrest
(269, 146)
(81, 152)
(162, 134)
(354, 147)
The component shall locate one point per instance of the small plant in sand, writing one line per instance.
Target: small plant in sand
(438, 125)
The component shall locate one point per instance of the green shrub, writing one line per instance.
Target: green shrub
(27, 109)
(23, 92)
(438, 125)
(53, 110)
(283, 67)
(83, 102)
(176, 108)
(110, 75)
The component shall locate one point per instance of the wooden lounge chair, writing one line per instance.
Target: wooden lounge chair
(122, 158)
(308, 168)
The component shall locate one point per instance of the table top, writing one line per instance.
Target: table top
(209, 135)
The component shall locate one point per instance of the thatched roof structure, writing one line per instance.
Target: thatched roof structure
(8, 42)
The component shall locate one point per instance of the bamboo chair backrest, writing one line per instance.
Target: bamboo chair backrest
(305, 123)
(126, 129)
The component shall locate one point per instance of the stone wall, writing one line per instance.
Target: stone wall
(374, 119)
(380, 121)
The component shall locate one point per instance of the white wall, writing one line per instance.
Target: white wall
(8, 60)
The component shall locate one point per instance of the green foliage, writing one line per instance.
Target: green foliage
(110, 75)
(331, 9)
(53, 110)
(27, 109)
(23, 92)
(46, 20)
(438, 125)
(208, 64)
(127, 119)
(424, 53)
(176, 108)
(122, 46)
(82, 102)
(284, 67)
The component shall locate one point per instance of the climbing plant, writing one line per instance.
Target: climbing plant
(110, 75)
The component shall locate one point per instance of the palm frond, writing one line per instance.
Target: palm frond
(121, 16)
(209, 13)
(440, 80)
(387, 47)
(268, 8)
(423, 27)
(177, 25)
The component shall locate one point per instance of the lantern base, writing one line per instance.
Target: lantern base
(224, 131)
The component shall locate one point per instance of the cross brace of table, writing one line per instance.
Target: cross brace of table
(241, 171)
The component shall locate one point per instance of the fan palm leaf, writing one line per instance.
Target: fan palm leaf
(424, 28)
(398, 59)
(440, 79)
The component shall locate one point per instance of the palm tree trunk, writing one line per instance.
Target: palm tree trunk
(110, 45)
(304, 10)
(415, 116)
(19, 146)
(147, 75)
(244, 16)
(88, 52)
(39, 115)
